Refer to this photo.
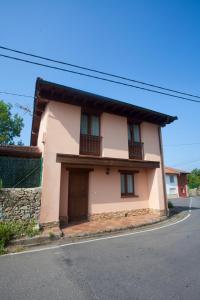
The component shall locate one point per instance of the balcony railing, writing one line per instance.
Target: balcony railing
(90, 144)
(135, 150)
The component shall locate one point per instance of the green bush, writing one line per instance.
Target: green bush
(15, 229)
(170, 204)
(194, 179)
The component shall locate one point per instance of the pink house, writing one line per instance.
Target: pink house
(100, 156)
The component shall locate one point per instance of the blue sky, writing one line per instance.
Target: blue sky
(152, 41)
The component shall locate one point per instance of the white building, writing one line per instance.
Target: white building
(176, 183)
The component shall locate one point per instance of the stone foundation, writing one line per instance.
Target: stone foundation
(118, 214)
(63, 220)
(20, 203)
(50, 225)
(158, 212)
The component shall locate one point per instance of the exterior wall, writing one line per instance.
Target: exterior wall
(20, 203)
(62, 129)
(152, 151)
(60, 133)
(64, 187)
(43, 129)
(115, 136)
(156, 192)
(173, 185)
(149, 136)
(105, 193)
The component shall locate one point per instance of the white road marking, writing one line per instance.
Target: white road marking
(98, 239)
(190, 206)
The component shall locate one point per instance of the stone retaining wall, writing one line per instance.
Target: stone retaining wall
(20, 203)
(194, 192)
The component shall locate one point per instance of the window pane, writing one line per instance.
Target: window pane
(122, 184)
(136, 133)
(95, 125)
(129, 132)
(129, 183)
(171, 179)
(84, 124)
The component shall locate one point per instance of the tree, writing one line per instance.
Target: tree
(10, 125)
(194, 179)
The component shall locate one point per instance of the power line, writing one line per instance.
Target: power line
(180, 145)
(25, 109)
(97, 77)
(187, 162)
(14, 94)
(98, 72)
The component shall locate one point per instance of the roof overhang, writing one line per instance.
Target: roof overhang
(46, 91)
(91, 161)
(172, 171)
(20, 151)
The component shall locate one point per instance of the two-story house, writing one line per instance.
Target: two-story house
(100, 156)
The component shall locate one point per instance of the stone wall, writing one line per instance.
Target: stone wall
(194, 192)
(20, 203)
(121, 214)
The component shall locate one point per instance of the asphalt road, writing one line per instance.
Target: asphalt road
(160, 264)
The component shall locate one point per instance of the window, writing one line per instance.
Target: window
(90, 124)
(90, 139)
(127, 184)
(135, 146)
(133, 132)
(84, 124)
(171, 178)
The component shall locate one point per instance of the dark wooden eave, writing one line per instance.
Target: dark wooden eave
(20, 151)
(47, 91)
(90, 161)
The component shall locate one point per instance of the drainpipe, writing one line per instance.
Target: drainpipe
(163, 171)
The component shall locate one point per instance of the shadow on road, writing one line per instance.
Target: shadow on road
(183, 208)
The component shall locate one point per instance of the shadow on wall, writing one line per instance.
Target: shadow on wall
(150, 138)
(66, 122)
(64, 186)
(115, 132)
(150, 179)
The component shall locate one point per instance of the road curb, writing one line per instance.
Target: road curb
(51, 239)
(34, 241)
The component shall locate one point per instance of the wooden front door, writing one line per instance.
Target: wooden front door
(78, 195)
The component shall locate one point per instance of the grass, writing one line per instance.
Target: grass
(15, 229)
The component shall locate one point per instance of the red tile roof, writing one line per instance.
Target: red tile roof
(20, 151)
(169, 170)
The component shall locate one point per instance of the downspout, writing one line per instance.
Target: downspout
(163, 171)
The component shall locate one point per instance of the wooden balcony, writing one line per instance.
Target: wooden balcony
(90, 144)
(135, 150)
